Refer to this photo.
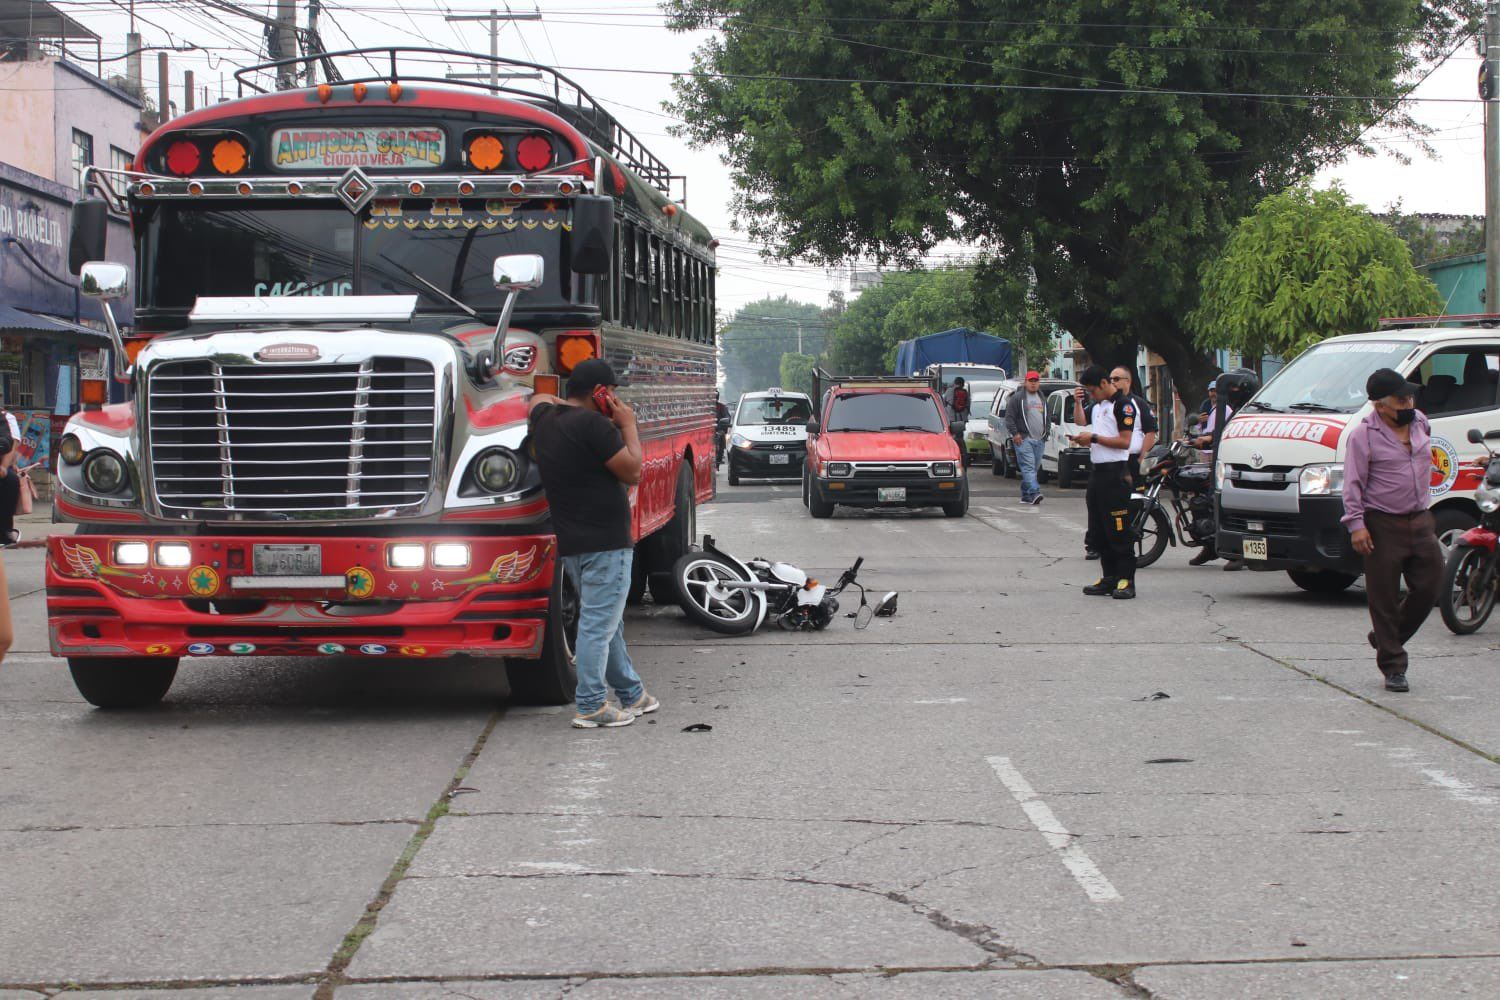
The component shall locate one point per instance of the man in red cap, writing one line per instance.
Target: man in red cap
(1026, 420)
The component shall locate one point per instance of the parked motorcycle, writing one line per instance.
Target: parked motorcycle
(1471, 578)
(720, 592)
(1189, 488)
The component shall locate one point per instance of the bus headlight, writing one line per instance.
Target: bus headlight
(497, 470)
(70, 450)
(104, 472)
(1488, 498)
(1321, 480)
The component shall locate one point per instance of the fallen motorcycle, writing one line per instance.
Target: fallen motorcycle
(720, 592)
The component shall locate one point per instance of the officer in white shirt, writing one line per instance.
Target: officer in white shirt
(1113, 424)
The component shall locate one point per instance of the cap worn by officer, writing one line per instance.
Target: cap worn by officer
(590, 374)
(1389, 382)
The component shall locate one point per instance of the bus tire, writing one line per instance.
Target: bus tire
(552, 679)
(122, 681)
(1322, 581)
(675, 540)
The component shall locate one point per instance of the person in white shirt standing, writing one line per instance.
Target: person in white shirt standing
(1113, 424)
(10, 485)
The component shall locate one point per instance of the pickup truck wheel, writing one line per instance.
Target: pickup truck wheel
(552, 679)
(959, 507)
(1316, 581)
(816, 505)
(122, 681)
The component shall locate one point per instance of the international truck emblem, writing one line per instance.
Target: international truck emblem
(355, 190)
(288, 352)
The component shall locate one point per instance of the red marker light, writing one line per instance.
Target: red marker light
(183, 157)
(534, 153)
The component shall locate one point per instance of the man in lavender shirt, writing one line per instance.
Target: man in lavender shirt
(1387, 475)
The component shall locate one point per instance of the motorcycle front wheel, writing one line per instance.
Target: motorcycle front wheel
(700, 578)
(1153, 532)
(1468, 593)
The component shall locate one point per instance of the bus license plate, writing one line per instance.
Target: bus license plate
(288, 560)
(891, 494)
(1255, 548)
(781, 460)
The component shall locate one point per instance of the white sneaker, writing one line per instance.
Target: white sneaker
(607, 717)
(644, 705)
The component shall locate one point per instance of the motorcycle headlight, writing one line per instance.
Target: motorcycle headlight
(1488, 498)
(839, 470)
(1321, 480)
(739, 440)
(104, 472)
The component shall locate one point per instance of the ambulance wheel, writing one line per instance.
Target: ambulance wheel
(1322, 581)
(122, 681)
(552, 679)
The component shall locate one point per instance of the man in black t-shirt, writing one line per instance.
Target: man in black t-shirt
(588, 450)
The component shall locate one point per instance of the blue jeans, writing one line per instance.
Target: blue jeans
(1029, 458)
(603, 580)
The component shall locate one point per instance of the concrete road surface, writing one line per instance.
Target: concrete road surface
(1007, 790)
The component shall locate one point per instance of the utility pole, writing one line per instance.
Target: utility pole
(314, 7)
(1489, 83)
(494, 18)
(285, 35)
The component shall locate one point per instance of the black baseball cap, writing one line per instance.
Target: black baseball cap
(590, 374)
(1389, 382)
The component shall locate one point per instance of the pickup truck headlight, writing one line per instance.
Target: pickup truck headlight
(1321, 480)
(839, 470)
(944, 470)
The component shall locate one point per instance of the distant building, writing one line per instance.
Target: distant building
(58, 119)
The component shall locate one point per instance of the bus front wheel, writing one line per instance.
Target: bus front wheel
(552, 679)
(122, 681)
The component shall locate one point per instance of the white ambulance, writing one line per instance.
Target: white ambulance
(768, 438)
(1280, 463)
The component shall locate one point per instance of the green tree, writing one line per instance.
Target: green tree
(1426, 243)
(797, 372)
(753, 341)
(1105, 149)
(1305, 266)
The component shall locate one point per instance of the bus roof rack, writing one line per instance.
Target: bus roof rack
(554, 92)
(823, 381)
(1454, 319)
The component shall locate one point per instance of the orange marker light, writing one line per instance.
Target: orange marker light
(669, 209)
(360, 90)
(92, 392)
(550, 384)
(573, 350)
(325, 92)
(465, 187)
(486, 152)
(394, 90)
(416, 187)
(294, 188)
(230, 156)
(245, 188)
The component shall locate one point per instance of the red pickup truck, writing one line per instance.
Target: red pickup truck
(882, 442)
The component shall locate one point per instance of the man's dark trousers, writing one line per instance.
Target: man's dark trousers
(1405, 545)
(1108, 501)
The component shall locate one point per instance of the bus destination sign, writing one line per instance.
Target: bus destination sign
(395, 146)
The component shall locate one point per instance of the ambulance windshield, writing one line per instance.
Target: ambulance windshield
(1330, 376)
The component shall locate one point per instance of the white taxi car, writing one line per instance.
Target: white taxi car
(768, 438)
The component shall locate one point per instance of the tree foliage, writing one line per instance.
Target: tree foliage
(759, 333)
(1103, 147)
(1305, 266)
(797, 372)
(1427, 243)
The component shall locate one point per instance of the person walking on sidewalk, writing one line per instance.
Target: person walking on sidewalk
(1387, 487)
(1112, 425)
(1026, 420)
(588, 450)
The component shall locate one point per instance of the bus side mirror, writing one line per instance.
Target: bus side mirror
(106, 281)
(89, 230)
(593, 236)
(813, 428)
(513, 274)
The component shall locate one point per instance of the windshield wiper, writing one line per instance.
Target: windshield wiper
(1264, 406)
(434, 288)
(1315, 407)
(906, 427)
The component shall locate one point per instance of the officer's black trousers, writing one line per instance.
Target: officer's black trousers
(1109, 520)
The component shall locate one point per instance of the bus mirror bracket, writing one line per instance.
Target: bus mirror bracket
(106, 281)
(513, 275)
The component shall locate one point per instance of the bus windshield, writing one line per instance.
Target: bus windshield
(283, 248)
(1329, 376)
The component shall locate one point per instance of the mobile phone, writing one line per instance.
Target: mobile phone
(602, 400)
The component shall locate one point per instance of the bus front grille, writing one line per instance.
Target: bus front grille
(245, 437)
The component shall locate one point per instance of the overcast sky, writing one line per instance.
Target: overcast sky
(621, 52)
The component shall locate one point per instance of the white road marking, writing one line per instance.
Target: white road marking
(940, 701)
(1079, 864)
(1459, 789)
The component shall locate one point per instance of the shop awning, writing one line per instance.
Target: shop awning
(20, 323)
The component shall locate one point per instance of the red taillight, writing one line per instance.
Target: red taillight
(574, 347)
(534, 153)
(183, 157)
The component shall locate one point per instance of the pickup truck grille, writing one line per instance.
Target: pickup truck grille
(291, 437)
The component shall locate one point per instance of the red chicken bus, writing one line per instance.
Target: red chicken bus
(344, 297)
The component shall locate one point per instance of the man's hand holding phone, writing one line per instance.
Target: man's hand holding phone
(613, 407)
